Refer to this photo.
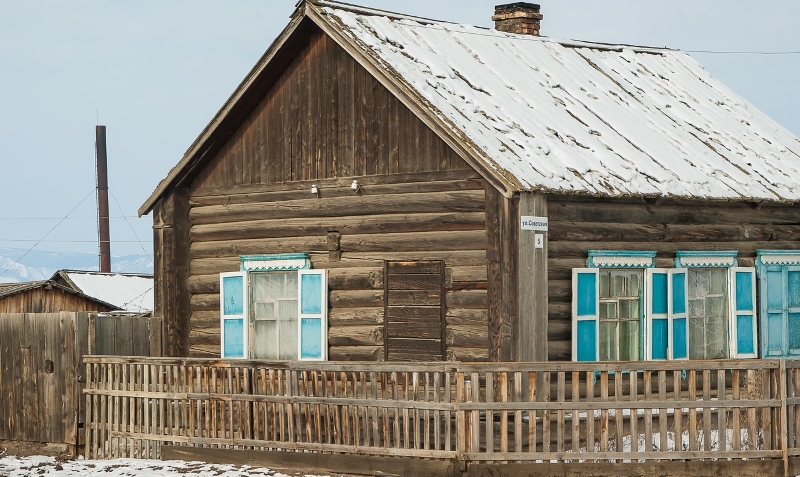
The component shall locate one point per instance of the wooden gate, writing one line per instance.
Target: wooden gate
(41, 377)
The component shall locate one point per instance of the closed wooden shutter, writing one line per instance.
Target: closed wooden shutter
(414, 300)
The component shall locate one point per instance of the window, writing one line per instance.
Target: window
(275, 308)
(607, 306)
(779, 279)
(721, 311)
(624, 309)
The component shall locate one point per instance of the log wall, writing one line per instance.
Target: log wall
(578, 225)
(42, 300)
(406, 217)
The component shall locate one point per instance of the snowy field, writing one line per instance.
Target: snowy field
(11, 466)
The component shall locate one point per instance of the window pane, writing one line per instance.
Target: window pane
(263, 347)
(717, 278)
(287, 329)
(608, 341)
(604, 279)
(264, 311)
(716, 344)
(608, 310)
(619, 284)
(634, 283)
(696, 338)
(715, 307)
(794, 332)
(794, 289)
(629, 341)
(629, 310)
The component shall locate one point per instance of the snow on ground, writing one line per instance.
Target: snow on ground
(11, 466)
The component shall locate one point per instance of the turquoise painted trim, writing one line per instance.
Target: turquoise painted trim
(761, 253)
(681, 254)
(243, 259)
(622, 255)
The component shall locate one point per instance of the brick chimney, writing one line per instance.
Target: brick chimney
(520, 17)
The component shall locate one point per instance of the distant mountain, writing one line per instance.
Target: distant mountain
(41, 265)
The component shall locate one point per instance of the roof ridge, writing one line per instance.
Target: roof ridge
(351, 7)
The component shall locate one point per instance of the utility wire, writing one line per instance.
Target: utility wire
(129, 225)
(72, 241)
(48, 233)
(67, 218)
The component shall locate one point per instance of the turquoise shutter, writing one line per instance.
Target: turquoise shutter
(742, 319)
(679, 315)
(657, 296)
(585, 314)
(793, 310)
(233, 300)
(313, 318)
(773, 304)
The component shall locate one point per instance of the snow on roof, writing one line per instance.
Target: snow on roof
(132, 293)
(579, 117)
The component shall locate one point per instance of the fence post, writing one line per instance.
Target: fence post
(461, 429)
(784, 431)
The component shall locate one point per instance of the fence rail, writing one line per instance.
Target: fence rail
(473, 413)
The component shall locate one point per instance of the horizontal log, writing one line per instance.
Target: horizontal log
(414, 356)
(471, 179)
(355, 316)
(559, 312)
(204, 351)
(559, 330)
(356, 298)
(457, 353)
(450, 257)
(356, 353)
(204, 302)
(415, 282)
(214, 266)
(414, 346)
(204, 319)
(385, 223)
(431, 331)
(679, 213)
(469, 336)
(464, 316)
(559, 350)
(559, 268)
(475, 273)
(467, 299)
(258, 246)
(412, 298)
(369, 335)
(415, 241)
(203, 284)
(426, 202)
(363, 278)
(559, 290)
(204, 338)
(670, 232)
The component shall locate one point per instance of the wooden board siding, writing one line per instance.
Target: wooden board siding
(581, 224)
(402, 217)
(42, 300)
(326, 117)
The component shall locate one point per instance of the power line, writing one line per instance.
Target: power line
(712, 52)
(129, 225)
(68, 218)
(48, 233)
(72, 241)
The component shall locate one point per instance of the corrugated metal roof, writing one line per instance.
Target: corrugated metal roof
(578, 117)
(129, 292)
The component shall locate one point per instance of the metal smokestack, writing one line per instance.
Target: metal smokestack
(102, 200)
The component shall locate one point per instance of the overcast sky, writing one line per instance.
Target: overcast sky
(155, 72)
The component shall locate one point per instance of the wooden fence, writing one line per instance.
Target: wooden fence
(472, 414)
(40, 369)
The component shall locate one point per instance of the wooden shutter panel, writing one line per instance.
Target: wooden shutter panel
(233, 314)
(742, 320)
(414, 311)
(585, 314)
(313, 315)
(679, 314)
(657, 297)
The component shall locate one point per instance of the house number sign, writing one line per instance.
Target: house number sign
(534, 223)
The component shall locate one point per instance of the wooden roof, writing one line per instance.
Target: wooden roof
(10, 289)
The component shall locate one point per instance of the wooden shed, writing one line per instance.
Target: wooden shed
(47, 296)
(388, 187)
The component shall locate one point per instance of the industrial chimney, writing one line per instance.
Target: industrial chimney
(102, 199)
(520, 17)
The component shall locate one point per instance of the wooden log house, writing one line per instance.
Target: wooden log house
(387, 187)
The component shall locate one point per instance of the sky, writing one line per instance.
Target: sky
(155, 73)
